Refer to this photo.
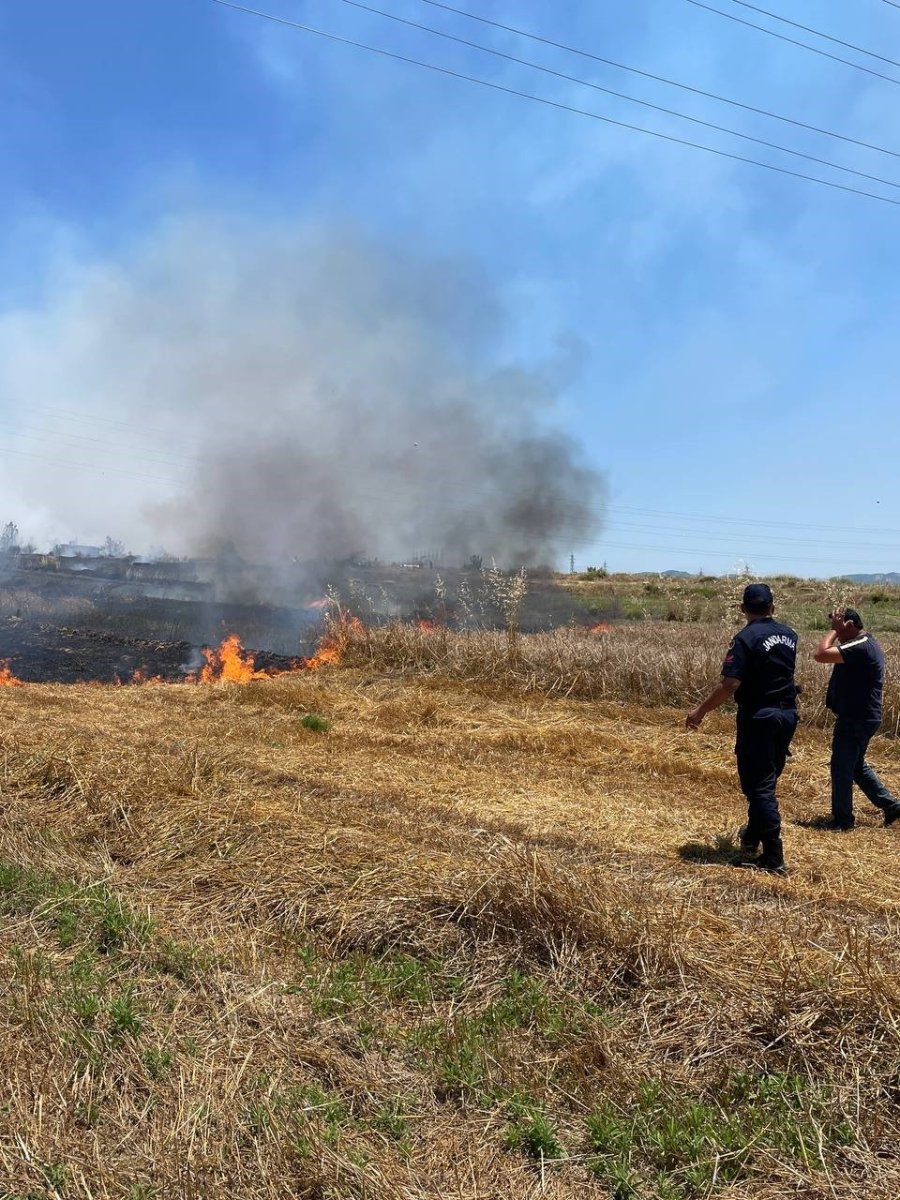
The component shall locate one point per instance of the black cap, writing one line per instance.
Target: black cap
(758, 596)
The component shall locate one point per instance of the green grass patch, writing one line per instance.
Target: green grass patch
(671, 1146)
(90, 914)
(531, 1131)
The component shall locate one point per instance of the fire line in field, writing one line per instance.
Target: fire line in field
(7, 679)
(230, 662)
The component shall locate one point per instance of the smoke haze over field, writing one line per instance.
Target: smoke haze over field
(293, 393)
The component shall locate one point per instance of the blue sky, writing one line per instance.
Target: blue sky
(725, 338)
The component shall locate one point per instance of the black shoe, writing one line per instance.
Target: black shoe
(891, 815)
(772, 865)
(747, 853)
(840, 826)
(749, 845)
(771, 859)
(743, 860)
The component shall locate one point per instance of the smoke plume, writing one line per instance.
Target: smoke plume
(291, 394)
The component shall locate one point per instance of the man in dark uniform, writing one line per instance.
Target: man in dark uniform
(854, 696)
(758, 672)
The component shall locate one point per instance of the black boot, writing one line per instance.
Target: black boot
(747, 851)
(892, 814)
(771, 859)
(748, 843)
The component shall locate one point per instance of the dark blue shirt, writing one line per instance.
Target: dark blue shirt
(763, 657)
(857, 684)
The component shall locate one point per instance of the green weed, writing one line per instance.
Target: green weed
(123, 1017)
(90, 913)
(531, 1131)
(686, 1147)
(55, 1175)
(141, 1191)
(157, 1061)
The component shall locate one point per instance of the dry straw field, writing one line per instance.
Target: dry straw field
(449, 920)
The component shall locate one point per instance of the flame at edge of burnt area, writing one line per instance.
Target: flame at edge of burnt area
(230, 662)
(7, 679)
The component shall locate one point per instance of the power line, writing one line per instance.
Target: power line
(556, 104)
(92, 467)
(124, 426)
(604, 542)
(65, 438)
(609, 62)
(664, 79)
(576, 510)
(817, 32)
(793, 41)
(671, 112)
(656, 512)
(892, 3)
(696, 553)
(767, 538)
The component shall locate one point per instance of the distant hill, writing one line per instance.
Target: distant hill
(892, 577)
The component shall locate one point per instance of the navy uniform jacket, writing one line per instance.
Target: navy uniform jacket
(856, 685)
(763, 657)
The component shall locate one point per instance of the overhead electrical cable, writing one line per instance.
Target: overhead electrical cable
(71, 414)
(767, 538)
(686, 87)
(740, 549)
(657, 512)
(817, 32)
(556, 104)
(575, 510)
(697, 553)
(670, 112)
(848, 62)
(92, 467)
(74, 440)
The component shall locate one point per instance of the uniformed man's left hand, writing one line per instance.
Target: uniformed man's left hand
(694, 719)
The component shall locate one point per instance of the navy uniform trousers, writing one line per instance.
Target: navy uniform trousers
(762, 748)
(848, 766)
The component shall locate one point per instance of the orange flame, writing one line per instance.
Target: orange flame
(139, 678)
(426, 626)
(7, 679)
(333, 645)
(320, 604)
(602, 627)
(231, 663)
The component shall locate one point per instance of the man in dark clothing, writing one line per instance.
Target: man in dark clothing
(758, 672)
(854, 696)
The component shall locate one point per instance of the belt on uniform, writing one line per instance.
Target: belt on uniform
(789, 704)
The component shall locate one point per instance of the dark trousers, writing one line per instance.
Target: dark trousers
(848, 766)
(763, 744)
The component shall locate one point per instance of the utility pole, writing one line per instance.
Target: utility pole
(571, 564)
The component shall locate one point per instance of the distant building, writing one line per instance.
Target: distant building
(74, 550)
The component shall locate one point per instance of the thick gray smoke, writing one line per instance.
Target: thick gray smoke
(291, 394)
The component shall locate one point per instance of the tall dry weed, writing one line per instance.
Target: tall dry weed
(653, 664)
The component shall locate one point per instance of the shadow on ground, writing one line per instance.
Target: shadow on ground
(820, 822)
(721, 849)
